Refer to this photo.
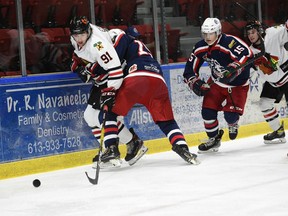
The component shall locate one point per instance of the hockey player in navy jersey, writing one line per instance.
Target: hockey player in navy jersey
(143, 84)
(226, 89)
(272, 68)
(93, 44)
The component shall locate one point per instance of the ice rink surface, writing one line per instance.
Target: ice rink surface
(245, 178)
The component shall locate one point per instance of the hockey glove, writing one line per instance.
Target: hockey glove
(76, 62)
(267, 63)
(230, 73)
(81, 67)
(198, 86)
(83, 73)
(108, 97)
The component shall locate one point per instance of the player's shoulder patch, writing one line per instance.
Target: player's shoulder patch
(99, 45)
(232, 44)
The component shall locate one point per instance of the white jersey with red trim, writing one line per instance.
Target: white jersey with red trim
(99, 49)
(274, 41)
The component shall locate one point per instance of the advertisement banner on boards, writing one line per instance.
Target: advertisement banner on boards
(46, 118)
(43, 119)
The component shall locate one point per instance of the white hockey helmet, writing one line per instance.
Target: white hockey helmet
(211, 25)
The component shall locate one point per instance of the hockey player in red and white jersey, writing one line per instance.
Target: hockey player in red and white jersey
(143, 84)
(226, 89)
(272, 68)
(93, 44)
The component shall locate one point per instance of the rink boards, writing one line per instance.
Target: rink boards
(42, 126)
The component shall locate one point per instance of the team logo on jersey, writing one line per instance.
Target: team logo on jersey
(215, 66)
(99, 45)
(232, 44)
(133, 68)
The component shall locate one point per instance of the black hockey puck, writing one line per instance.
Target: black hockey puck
(36, 183)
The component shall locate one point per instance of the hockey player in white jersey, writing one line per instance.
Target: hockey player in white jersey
(143, 84)
(93, 44)
(273, 68)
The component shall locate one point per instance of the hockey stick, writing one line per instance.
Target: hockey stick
(250, 61)
(95, 180)
(245, 9)
(249, 13)
(231, 23)
(284, 66)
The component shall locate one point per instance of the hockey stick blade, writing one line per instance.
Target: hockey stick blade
(95, 180)
(91, 180)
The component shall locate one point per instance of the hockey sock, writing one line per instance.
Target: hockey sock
(111, 129)
(172, 131)
(96, 131)
(210, 122)
(231, 117)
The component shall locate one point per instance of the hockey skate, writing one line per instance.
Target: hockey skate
(212, 145)
(233, 130)
(183, 151)
(276, 137)
(110, 158)
(135, 149)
